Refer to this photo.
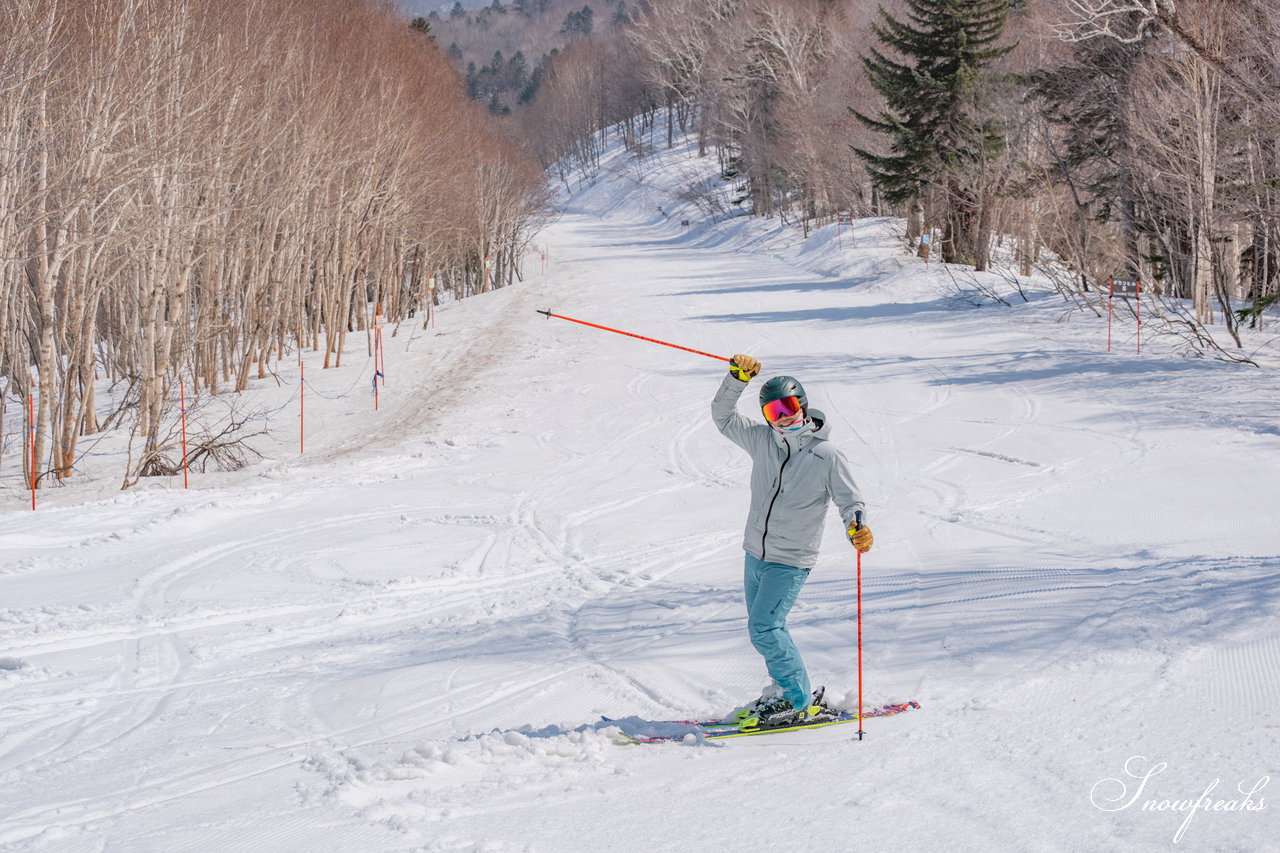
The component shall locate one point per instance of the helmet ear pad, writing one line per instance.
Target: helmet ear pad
(781, 387)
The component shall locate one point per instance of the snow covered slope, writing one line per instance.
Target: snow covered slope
(404, 639)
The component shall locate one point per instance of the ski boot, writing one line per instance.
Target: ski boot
(780, 714)
(771, 694)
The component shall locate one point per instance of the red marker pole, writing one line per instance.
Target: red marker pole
(633, 335)
(379, 357)
(378, 378)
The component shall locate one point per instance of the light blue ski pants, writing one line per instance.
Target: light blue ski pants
(771, 589)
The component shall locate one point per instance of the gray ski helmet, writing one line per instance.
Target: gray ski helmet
(781, 387)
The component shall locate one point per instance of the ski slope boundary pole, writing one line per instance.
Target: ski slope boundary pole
(633, 335)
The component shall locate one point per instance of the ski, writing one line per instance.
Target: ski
(649, 731)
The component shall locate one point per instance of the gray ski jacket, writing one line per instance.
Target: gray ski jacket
(791, 479)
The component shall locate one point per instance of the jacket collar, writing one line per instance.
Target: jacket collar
(820, 430)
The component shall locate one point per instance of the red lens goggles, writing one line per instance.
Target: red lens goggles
(787, 406)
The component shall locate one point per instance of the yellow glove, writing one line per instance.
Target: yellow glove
(744, 367)
(860, 536)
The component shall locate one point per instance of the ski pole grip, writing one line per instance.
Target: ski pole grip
(857, 519)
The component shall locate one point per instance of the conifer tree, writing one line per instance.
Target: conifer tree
(579, 23)
(517, 76)
(535, 80)
(1087, 101)
(934, 118)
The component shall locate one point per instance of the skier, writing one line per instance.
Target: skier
(794, 471)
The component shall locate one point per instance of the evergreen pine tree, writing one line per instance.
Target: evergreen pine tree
(934, 118)
(579, 23)
(496, 107)
(517, 76)
(473, 82)
(1086, 99)
(535, 80)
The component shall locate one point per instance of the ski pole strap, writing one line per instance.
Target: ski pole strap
(633, 335)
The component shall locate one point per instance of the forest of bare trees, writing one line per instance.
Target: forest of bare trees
(191, 191)
(1119, 137)
(502, 50)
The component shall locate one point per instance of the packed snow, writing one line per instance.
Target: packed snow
(405, 639)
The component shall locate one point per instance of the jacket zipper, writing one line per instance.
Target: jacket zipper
(776, 491)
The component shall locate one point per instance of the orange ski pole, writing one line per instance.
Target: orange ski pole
(858, 522)
(632, 335)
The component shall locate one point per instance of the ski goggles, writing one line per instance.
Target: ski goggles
(786, 407)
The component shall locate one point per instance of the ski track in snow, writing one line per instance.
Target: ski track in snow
(405, 640)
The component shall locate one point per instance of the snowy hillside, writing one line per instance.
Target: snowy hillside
(404, 639)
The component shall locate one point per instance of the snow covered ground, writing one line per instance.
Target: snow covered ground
(404, 639)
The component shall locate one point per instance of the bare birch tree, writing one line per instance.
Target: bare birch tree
(190, 191)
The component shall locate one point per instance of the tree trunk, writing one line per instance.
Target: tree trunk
(915, 215)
